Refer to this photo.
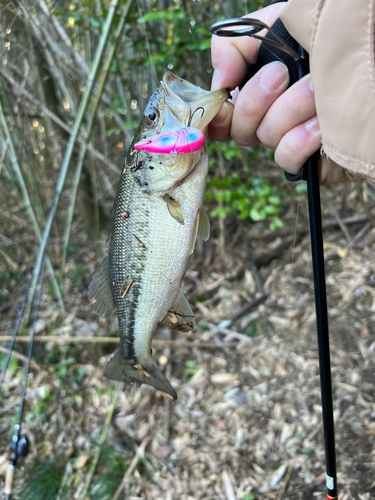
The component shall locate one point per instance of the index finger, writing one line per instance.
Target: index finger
(230, 56)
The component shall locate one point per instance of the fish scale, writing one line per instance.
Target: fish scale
(156, 218)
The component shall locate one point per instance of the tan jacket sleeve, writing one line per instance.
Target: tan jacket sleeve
(339, 37)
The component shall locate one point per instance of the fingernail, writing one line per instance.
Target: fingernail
(312, 125)
(310, 86)
(215, 84)
(273, 76)
(222, 115)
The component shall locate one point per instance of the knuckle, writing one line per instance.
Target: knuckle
(289, 108)
(243, 137)
(288, 156)
(266, 136)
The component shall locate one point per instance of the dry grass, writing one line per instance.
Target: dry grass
(247, 423)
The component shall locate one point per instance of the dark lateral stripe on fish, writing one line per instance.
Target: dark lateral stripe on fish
(130, 352)
(127, 305)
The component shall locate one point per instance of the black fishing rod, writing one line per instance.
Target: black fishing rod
(20, 443)
(288, 51)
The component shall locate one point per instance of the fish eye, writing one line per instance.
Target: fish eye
(152, 118)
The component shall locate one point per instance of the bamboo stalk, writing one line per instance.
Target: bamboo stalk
(81, 63)
(27, 201)
(99, 90)
(102, 439)
(33, 100)
(71, 144)
(43, 38)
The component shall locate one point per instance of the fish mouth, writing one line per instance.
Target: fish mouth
(186, 91)
(184, 99)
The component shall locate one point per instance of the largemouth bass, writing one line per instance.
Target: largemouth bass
(156, 218)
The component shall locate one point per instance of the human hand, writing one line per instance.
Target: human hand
(265, 110)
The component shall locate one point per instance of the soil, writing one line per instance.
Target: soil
(247, 422)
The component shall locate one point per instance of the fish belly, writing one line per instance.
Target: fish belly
(149, 250)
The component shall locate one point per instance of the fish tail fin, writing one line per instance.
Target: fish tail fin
(123, 370)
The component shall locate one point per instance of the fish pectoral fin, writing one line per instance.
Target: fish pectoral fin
(174, 208)
(100, 293)
(204, 225)
(180, 317)
(121, 369)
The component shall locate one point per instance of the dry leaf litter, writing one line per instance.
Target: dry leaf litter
(247, 422)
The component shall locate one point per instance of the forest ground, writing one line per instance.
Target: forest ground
(247, 422)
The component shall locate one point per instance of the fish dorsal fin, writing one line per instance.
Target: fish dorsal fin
(180, 316)
(174, 208)
(203, 225)
(100, 294)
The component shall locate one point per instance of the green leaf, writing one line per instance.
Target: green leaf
(275, 200)
(244, 214)
(205, 45)
(249, 496)
(219, 196)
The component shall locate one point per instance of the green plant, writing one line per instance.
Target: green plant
(43, 480)
(249, 496)
(112, 467)
(190, 369)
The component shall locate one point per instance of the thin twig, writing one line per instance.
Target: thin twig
(230, 333)
(288, 475)
(20, 356)
(64, 37)
(72, 140)
(138, 454)
(27, 201)
(252, 265)
(33, 100)
(340, 221)
(360, 234)
(115, 340)
(248, 307)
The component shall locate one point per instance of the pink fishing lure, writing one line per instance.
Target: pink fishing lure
(184, 140)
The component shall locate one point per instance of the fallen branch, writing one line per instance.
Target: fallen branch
(248, 307)
(138, 454)
(109, 340)
(225, 331)
(20, 356)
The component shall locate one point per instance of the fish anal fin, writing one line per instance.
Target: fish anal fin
(124, 370)
(100, 292)
(180, 317)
